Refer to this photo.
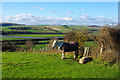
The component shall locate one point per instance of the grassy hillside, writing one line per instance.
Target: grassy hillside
(38, 35)
(45, 29)
(30, 35)
(49, 65)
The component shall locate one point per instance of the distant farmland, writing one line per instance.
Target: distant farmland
(43, 29)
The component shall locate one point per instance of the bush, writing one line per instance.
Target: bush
(79, 36)
(94, 52)
(29, 45)
(109, 39)
(9, 46)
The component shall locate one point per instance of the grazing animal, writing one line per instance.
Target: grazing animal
(66, 47)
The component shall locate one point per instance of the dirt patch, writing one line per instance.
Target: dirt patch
(56, 29)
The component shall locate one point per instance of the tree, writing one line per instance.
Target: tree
(29, 45)
(79, 36)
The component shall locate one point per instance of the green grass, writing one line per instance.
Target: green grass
(30, 35)
(9, 38)
(49, 29)
(45, 41)
(97, 29)
(38, 35)
(90, 44)
(36, 47)
(49, 65)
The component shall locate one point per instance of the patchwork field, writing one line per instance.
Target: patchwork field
(49, 65)
(38, 35)
(46, 28)
(30, 35)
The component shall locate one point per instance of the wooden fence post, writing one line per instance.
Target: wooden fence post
(42, 50)
(101, 51)
(86, 52)
(47, 49)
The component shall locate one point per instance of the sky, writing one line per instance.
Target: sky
(60, 13)
(60, 0)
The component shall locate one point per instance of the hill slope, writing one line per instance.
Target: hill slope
(11, 24)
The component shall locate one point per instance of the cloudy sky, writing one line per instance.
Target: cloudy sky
(60, 13)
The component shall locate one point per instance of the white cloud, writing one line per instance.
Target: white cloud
(85, 19)
(67, 18)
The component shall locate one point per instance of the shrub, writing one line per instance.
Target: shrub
(29, 45)
(109, 39)
(79, 36)
(21, 49)
(9, 46)
(94, 52)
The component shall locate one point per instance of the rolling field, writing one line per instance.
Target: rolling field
(9, 38)
(46, 28)
(38, 46)
(50, 65)
(38, 35)
(30, 35)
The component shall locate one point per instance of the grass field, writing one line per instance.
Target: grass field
(9, 38)
(30, 35)
(48, 28)
(90, 44)
(37, 35)
(49, 65)
(36, 47)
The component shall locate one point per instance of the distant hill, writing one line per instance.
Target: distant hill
(11, 24)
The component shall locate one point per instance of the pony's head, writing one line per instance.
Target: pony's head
(54, 44)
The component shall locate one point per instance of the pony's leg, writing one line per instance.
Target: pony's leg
(76, 54)
(58, 51)
(63, 55)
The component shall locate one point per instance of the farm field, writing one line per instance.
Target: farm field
(41, 64)
(38, 46)
(38, 35)
(60, 40)
(23, 31)
(46, 29)
(50, 65)
(9, 38)
(30, 35)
